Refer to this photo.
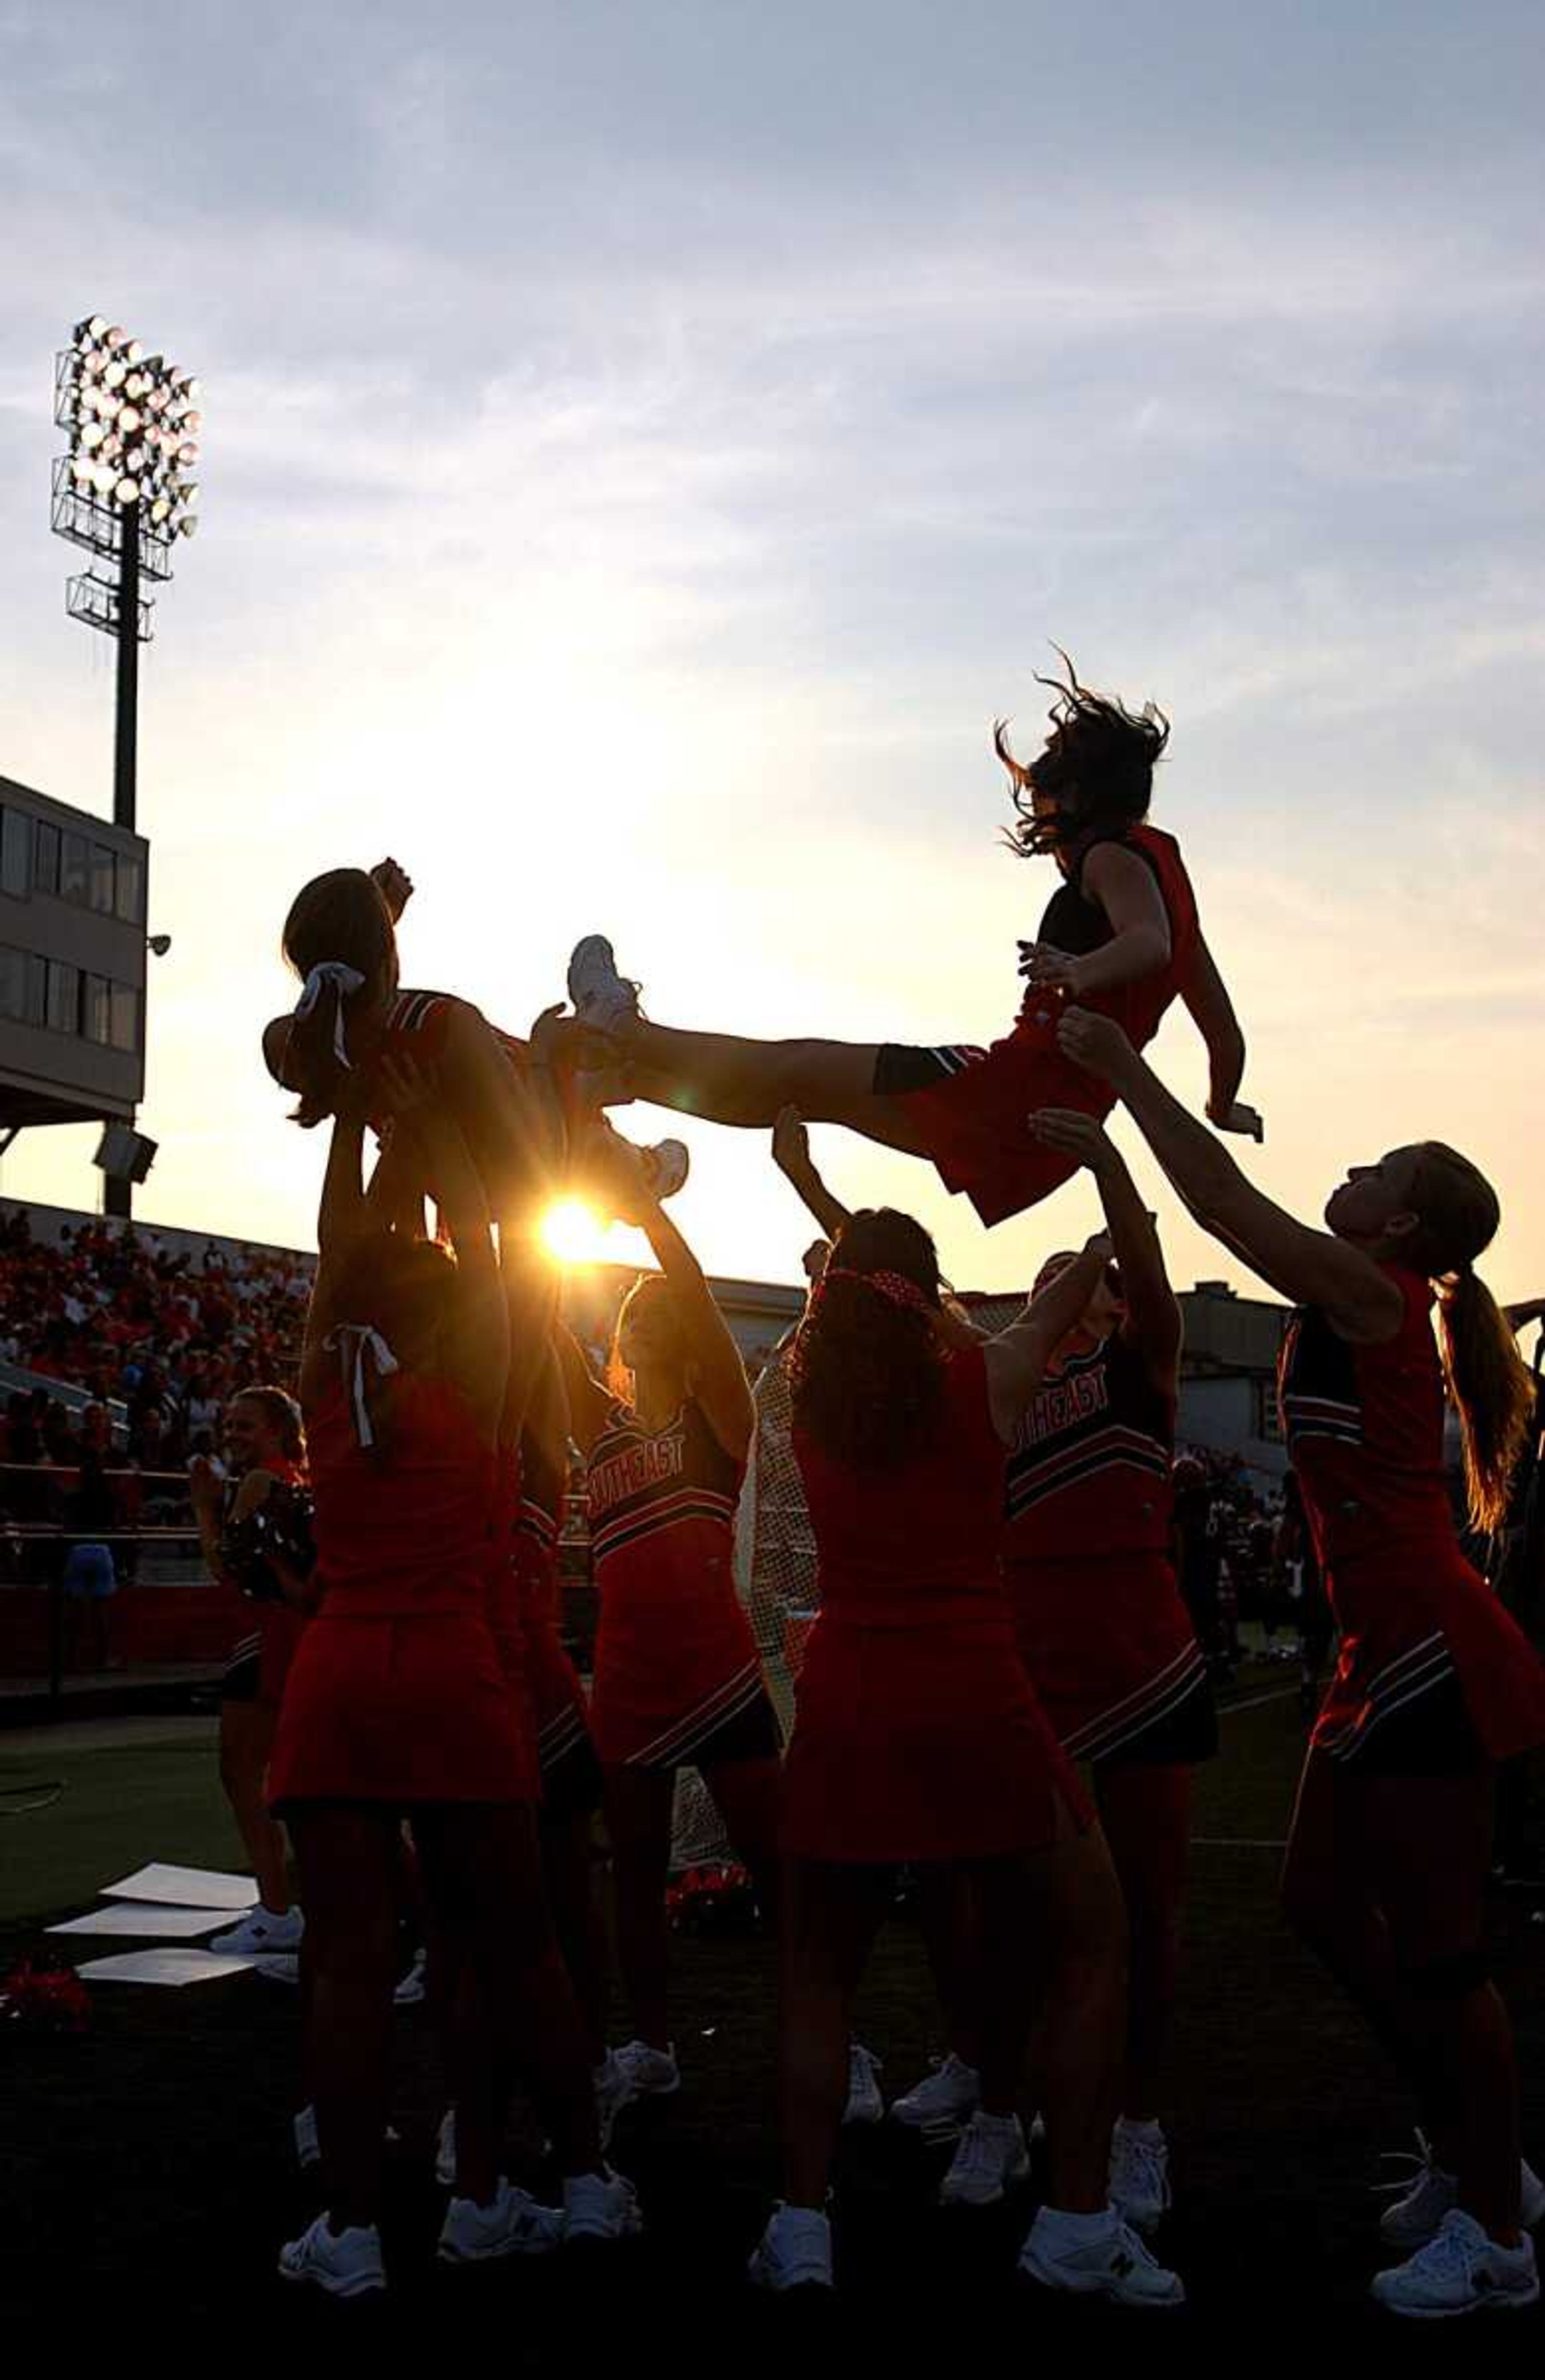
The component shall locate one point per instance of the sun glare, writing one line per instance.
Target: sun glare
(573, 1234)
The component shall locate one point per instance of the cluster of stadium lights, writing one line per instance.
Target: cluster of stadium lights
(133, 421)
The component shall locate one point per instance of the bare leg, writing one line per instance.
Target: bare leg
(1001, 1896)
(1385, 1879)
(738, 1082)
(567, 1863)
(482, 1869)
(246, 1741)
(639, 1807)
(1146, 1812)
(347, 1865)
(747, 1795)
(833, 1913)
(1075, 1908)
(951, 1930)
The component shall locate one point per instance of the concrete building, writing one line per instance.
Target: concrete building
(1228, 1376)
(72, 963)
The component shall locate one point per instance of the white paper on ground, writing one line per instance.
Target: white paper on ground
(163, 1967)
(146, 1921)
(186, 1888)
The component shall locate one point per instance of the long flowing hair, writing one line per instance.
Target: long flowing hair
(1097, 767)
(1488, 1380)
(868, 1366)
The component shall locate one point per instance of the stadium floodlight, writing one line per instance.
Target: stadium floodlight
(122, 492)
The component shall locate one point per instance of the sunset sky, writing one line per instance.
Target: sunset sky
(645, 446)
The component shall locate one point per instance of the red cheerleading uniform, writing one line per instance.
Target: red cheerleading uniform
(1097, 1612)
(557, 1696)
(917, 1734)
(971, 1106)
(397, 1693)
(260, 1661)
(677, 1673)
(1432, 1670)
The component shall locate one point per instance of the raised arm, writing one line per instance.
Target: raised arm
(1312, 1268)
(1206, 996)
(1153, 1322)
(1017, 1358)
(478, 1346)
(791, 1155)
(722, 1387)
(589, 1401)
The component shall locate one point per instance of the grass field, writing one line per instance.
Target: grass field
(148, 2165)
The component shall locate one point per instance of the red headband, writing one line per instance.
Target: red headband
(894, 1286)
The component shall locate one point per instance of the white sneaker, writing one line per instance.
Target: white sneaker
(260, 1934)
(943, 2101)
(601, 2207)
(864, 2105)
(285, 1968)
(345, 2263)
(1418, 2214)
(651, 2073)
(514, 2225)
(410, 1991)
(444, 2151)
(308, 2148)
(992, 2157)
(599, 994)
(666, 1167)
(1099, 2256)
(613, 2089)
(1140, 2174)
(794, 2251)
(1460, 2271)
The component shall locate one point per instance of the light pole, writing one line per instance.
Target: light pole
(125, 491)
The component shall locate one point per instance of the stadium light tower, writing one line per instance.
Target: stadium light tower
(125, 491)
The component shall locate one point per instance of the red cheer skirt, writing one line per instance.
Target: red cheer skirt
(1109, 1646)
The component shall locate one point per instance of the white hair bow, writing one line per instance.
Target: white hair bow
(359, 1345)
(345, 980)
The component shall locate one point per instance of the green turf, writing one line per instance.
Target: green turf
(118, 1808)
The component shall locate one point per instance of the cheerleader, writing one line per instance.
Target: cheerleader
(396, 1707)
(515, 1100)
(1122, 936)
(1391, 1841)
(918, 1739)
(676, 1674)
(265, 1441)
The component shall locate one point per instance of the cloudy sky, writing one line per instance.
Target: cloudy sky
(646, 445)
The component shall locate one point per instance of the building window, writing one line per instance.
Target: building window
(101, 890)
(15, 854)
(13, 983)
(125, 1016)
(96, 1021)
(45, 857)
(74, 868)
(1269, 1420)
(64, 997)
(131, 903)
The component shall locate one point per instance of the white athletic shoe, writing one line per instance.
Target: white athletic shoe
(1096, 2255)
(1140, 2174)
(410, 1991)
(651, 2073)
(345, 2263)
(601, 2207)
(943, 2101)
(285, 1968)
(613, 2089)
(864, 2105)
(666, 1167)
(599, 996)
(260, 1934)
(444, 2151)
(794, 2251)
(1418, 2214)
(308, 2148)
(1460, 2271)
(514, 2225)
(992, 2157)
